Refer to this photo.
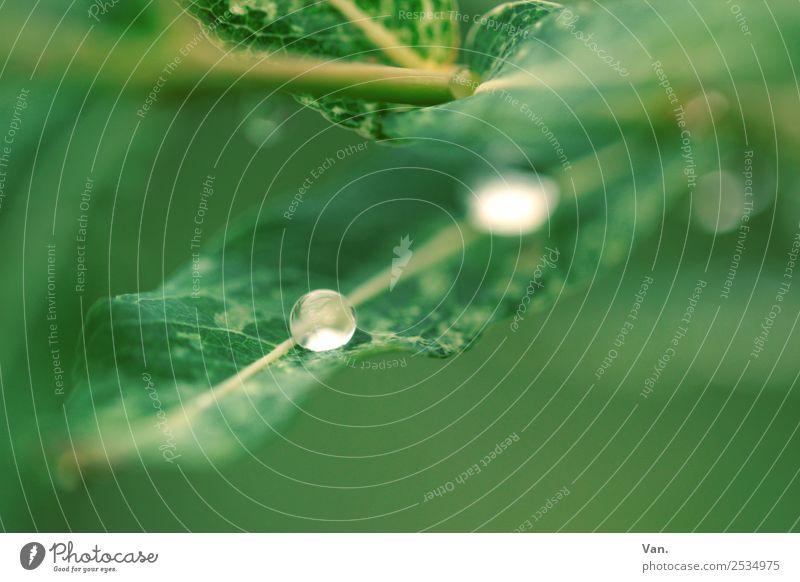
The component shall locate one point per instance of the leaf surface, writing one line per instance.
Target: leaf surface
(612, 141)
(388, 32)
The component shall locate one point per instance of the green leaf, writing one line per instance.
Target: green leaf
(197, 331)
(159, 382)
(566, 82)
(497, 35)
(391, 33)
(620, 167)
(587, 70)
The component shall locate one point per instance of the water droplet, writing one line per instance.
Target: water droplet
(513, 204)
(718, 202)
(260, 131)
(264, 119)
(322, 320)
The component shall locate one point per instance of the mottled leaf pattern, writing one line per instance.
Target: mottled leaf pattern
(585, 78)
(327, 30)
(387, 32)
(496, 36)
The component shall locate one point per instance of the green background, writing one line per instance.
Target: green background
(714, 448)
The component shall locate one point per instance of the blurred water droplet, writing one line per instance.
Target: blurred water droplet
(705, 110)
(718, 202)
(261, 131)
(513, 204)
(322, 320)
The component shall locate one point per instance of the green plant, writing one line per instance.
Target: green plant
(611, 136)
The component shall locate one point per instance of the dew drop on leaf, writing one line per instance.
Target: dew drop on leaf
(322, 320)
(513, 204)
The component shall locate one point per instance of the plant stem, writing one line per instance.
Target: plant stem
(178, 61)
(372, 82)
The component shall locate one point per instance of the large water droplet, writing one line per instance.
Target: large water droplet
(322, 320)
(513, 204)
